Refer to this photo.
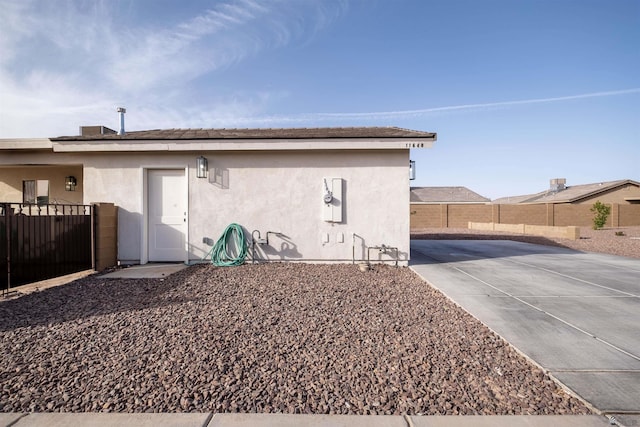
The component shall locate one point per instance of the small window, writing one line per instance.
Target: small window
(35, 191)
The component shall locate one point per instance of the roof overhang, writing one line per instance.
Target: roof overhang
(244, 145)
(21, 144)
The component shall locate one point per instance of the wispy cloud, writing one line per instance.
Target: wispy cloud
(69, 62)
(214, 39)
(318, 119)
(488, 105)
(73, 56)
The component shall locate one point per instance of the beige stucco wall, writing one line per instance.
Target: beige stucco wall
(11, 177)
(267, 191)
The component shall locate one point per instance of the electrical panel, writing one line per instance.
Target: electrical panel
(332, 202)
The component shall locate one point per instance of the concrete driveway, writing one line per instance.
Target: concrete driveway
(576, 314)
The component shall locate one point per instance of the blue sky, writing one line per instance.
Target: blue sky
(519, 91)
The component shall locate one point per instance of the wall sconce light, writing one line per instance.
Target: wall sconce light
(412, 170)
(70, 183)
(202, 167)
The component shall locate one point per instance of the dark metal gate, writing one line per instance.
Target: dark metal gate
(39, 242)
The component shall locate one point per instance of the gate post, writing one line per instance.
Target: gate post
(106, 235)
(6, 208)
(94, 224)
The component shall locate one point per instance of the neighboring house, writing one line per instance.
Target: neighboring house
(446, 207)
(622, 192)
(324, 194)
(446, 195)
(560, 205)
(28, 179)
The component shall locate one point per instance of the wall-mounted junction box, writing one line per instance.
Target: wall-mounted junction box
(332, 203)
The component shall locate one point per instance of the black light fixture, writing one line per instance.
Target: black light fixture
(70, 183)
(412, 170)
(202, 167)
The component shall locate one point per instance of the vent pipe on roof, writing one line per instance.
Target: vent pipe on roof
(121, 110)
(557, 184)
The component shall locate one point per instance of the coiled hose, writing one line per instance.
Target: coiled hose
(222, 254)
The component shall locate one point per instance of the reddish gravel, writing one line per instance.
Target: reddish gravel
(292, 338)
(603, 241)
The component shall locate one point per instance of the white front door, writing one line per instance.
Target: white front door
(167, 214)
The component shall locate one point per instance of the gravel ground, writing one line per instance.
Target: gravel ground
(291, 338)
(603, 241)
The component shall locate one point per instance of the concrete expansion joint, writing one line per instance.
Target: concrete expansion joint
(208, 420)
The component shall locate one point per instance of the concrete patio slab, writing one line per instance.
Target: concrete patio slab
(607, 391)
(113, 420)
(573, 313)
(627, 420)
(550, 342)
(146, 271)
(511, 421)
(290, 420)
(50, 283)
(587, 314)
(7, 419)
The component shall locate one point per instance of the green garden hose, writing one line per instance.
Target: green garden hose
(222, 254)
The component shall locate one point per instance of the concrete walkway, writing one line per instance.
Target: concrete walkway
(575, 314)
(146, 271)
(282, 420)
(46, 284)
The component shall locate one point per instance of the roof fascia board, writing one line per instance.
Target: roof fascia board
(243, 144)
(25, 144)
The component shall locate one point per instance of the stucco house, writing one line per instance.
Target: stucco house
(623, 192)
(318, 195)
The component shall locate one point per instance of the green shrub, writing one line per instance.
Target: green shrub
(601, 213)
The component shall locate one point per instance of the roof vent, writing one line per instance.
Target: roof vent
(95, 130)
(557, 184)
(121, 110)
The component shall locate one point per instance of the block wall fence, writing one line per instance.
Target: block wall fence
(459, 215)
(106, 235)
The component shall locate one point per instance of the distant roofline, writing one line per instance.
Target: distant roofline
(457, 194)
(537, 198)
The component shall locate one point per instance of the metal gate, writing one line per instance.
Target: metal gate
(39, 242)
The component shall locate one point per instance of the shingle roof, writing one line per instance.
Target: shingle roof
(512, 200)
(282, 133)
(445, 195)
(568, 195)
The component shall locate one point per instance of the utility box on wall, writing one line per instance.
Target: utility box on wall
(332, 199)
